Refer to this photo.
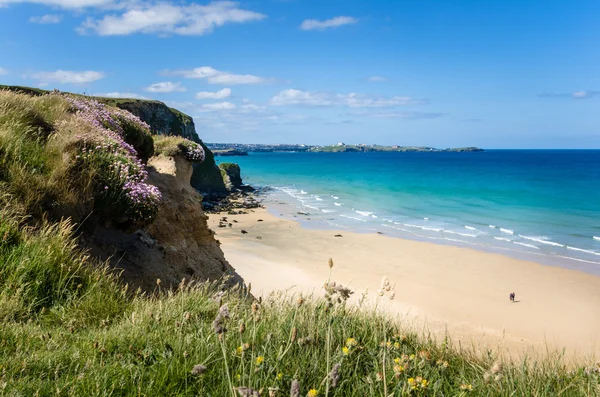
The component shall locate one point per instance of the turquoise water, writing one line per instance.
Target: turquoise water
(542, 205)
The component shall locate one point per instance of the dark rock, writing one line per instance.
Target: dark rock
(338, 235)
(244, 232)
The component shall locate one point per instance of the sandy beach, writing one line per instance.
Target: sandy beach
(442, 289)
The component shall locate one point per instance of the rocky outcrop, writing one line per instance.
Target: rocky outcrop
(231, 175)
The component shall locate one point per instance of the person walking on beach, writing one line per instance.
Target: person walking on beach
(512, 297)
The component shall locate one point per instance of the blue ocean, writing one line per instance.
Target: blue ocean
(542, 205)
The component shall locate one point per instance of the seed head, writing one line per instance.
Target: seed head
(198, 369)
(496, 368)
(334, 375)
(330, 263)
(295, 389)
(247, 392)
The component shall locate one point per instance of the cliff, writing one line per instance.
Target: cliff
(177, 244)
(66, 157)
(163, 120)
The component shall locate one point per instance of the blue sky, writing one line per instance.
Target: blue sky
(494, 74)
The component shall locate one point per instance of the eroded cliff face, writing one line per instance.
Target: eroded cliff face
(177, 245)
(164, 120)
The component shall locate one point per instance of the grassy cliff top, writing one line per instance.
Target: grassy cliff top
(105, 100)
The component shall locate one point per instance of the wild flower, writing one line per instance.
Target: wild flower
(412, 383)
(345, 350)
(466, 387)
(192, 151)
(312, 393)
(398, 369)
(279, 376)
(351, 342)
(124, 176)
(243, 347)
(260, 360)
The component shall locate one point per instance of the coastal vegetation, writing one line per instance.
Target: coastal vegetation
(70, 326)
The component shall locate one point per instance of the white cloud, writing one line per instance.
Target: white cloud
(315, 24)
(3, 71)
(376, 79)
(121, 95)
(216, 107)
(214, 76)
(353, 100)
(401, 115)
(166, 18)
(46, 19)
(67, 77)
(221, 94)
(165, 86)
(69, 4)
(582, 94)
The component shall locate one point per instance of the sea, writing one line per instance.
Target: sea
(541, 205)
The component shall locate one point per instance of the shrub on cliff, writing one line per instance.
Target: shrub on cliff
(174, 145)
(69, 156)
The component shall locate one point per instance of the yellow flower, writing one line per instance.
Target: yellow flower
(279, 376)
(424, 384)
(411, 357)
(312, 393)
(398, 369)
(345, 351)
(259, 360)
(412, 383)
(239, 350)
(351, 342)
(238, 376)
(466, 386)
(397, 345)
(397, 361)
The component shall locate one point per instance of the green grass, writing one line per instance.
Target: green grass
(70, 327)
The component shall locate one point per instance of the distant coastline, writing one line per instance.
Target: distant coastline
(242, 149)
